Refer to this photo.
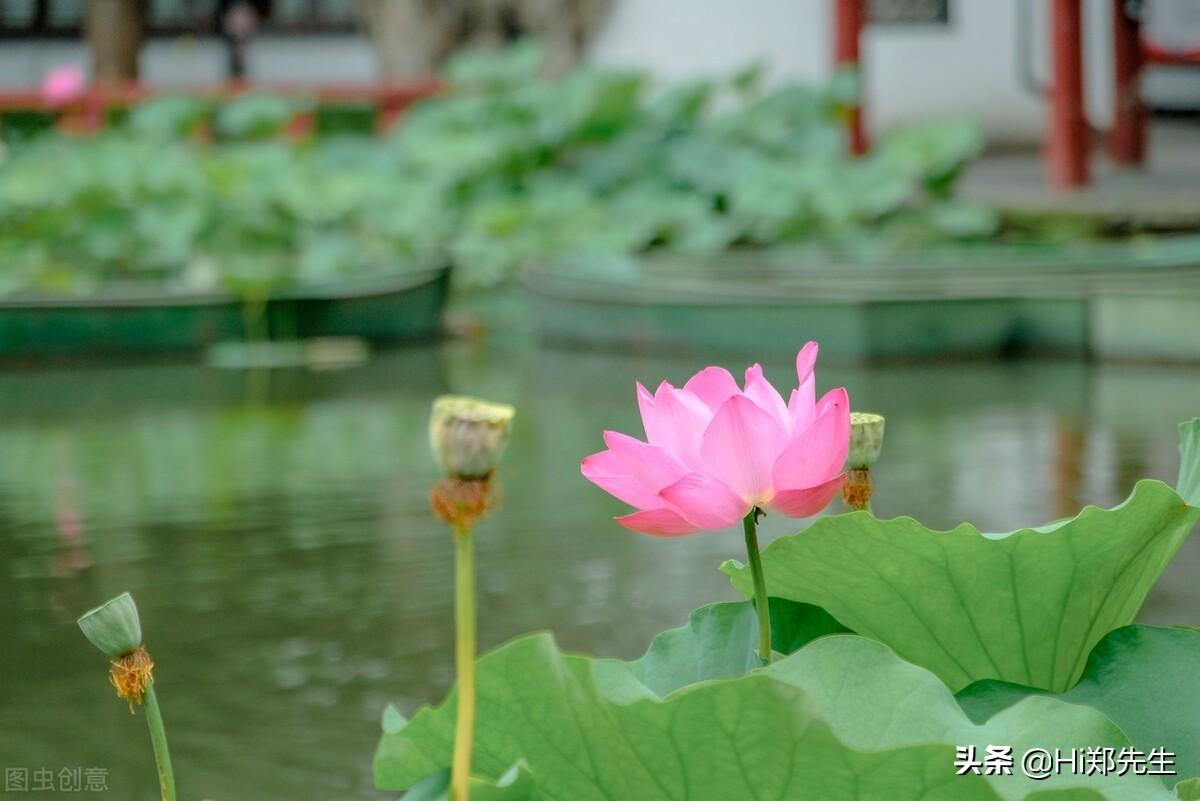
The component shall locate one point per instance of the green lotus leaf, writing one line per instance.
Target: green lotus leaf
(1143, 678)
(254, 116)
(843, 718)
(1188, 484)
(168, 117)
(1025, 607)
(515, 785)
(515, 66)
(719, 642)
(1188, 790)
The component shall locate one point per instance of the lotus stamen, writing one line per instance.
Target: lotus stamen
(131, 675)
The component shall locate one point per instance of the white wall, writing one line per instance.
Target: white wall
(911, 72)
(681, 38)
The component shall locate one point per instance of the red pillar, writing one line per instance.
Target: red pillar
(1067, 139)
(849, 18)
(1127, 143)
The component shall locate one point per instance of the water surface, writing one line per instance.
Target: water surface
(273, 527)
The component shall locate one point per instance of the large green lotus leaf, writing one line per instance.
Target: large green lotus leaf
(1025, 607)
(719, 642)
(1145, 679)
(843, 718)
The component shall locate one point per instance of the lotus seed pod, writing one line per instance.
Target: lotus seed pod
(114, 627)
(468, 435)
(866, 440)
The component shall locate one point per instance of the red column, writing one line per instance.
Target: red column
(1067, 138)
(849, 18)
(1127, 143)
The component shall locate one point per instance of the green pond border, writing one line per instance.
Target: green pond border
(1135, 299)
(145, 320)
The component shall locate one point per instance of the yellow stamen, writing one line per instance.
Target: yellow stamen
(131, 674)
(856, 492)
(460, 502)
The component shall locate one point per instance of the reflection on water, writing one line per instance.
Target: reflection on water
(274, 530)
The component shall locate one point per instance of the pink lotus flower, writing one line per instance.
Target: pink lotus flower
(63, 84)
(714, 451)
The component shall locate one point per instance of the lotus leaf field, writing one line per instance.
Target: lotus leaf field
(498, 170)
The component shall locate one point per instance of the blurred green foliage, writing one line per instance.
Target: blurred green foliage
(599, 162)
(249, 217)
(502, 169)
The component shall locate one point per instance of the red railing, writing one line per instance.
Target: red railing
(1155, 53)
(89, 111)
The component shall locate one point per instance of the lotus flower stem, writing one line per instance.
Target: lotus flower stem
(464, 655)
(158, 739)
(467, 436)
(762, 605)
(116, 629)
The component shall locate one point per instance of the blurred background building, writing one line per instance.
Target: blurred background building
(922, 58)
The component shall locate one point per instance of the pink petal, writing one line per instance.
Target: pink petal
(705, 502)
(608, 472)
(802, 403)
(652, 466)
(646, 407)
(659, 522)
(766, 397)
(677, 422)
(806, 360)
(819, 452)
(808, 501)
(838, 396)
(740, 447)
(713, 386)
(802, 406)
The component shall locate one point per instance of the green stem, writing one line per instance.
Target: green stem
(762, 605)
(464, 654)
(158, 738)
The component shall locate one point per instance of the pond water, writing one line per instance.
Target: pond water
(273, 528)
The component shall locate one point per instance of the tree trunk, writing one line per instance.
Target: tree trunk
(410, 37)
(114, 30)
(564, 27)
